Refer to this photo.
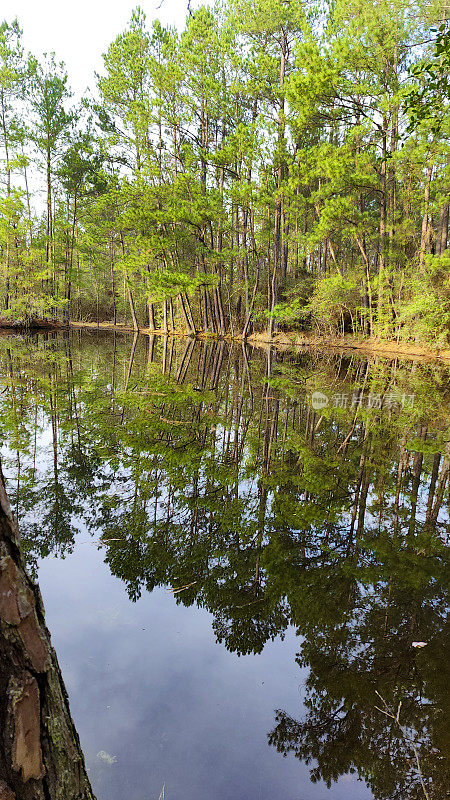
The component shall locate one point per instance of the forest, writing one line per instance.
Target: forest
(275, 167)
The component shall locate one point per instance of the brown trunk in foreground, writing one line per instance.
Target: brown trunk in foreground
(40, 753)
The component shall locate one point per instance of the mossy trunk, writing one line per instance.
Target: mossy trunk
(40, 753)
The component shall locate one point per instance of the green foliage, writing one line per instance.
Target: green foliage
(298, 307)
(271, 165)
(426, 316)
(427, 100)
(333, 300)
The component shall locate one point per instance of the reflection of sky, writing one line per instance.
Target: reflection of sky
(148, 685)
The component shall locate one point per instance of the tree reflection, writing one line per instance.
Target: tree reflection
(205, 468)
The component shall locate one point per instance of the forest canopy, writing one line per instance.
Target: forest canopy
(277, 165)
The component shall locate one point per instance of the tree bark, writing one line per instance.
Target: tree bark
(40, 752)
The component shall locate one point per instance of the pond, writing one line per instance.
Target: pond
(243, 557)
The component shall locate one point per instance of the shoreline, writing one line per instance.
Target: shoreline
(286, 341)
(294, 341)
(352, 344)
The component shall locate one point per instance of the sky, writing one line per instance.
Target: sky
(156, 701)
(79, 32)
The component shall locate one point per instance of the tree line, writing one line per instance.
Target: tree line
(274, 166)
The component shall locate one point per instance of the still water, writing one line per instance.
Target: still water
(239, 551)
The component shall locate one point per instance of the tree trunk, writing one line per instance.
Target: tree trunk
(279, 203)
(382, 244)
(113, 283)
(8, 192)
(424, 234)
(151, 316)
(186, 317)
(131, 302)
(187, 305)
(442, 232)
(69, 264)
(391, 169)
(250, 311)
(49, 225)
(40, 752)
(171, 315)
(441, 484)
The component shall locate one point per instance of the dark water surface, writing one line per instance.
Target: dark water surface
(238, 552)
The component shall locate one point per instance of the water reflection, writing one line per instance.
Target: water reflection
(40, 753)
(207, 469)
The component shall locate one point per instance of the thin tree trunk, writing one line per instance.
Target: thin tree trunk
(185, 315)
(185, 361)
(424, 234)
(279, 203)
(189, 313)
(382, 244)
(441, 484)
(8, 192)
(442, 232)
(113, 284)
(252, 303)
(129, 292)
(151, 316)
(432, 487)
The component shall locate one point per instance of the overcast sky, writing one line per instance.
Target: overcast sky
(79, 32)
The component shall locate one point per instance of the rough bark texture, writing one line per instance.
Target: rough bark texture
(40, 753)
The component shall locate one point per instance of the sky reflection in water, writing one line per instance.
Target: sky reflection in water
(173, 707)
